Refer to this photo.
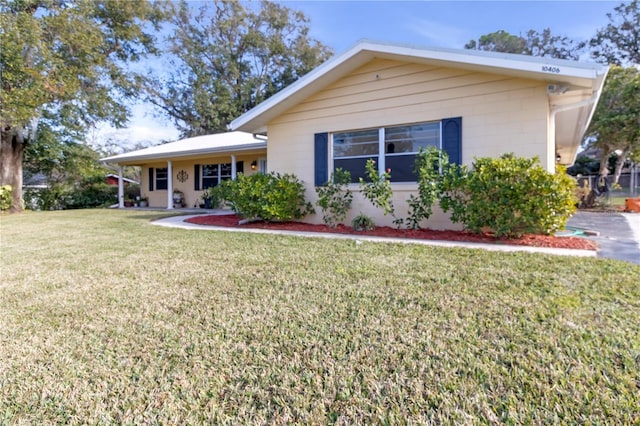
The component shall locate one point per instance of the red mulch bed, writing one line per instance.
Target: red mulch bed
(385, 231)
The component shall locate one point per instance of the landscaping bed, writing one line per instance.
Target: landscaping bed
(568, 242)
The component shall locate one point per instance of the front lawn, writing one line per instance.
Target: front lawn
(105, 318)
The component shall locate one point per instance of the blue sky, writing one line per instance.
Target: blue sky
(340, 24)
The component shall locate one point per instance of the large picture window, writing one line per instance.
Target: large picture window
(393, 148)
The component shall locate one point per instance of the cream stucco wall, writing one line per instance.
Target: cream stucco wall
(158, 198)
(499, 113)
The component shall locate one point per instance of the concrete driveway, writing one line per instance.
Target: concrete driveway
(619, 233)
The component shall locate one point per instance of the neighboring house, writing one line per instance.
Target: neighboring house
(112, 180)
(385, 102)
(192, 165)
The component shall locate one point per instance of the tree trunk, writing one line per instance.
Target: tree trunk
(620, 163)
(12, 146)
(604, 159)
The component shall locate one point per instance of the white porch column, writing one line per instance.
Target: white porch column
(120, 188)
(234, 172)
(169, 185)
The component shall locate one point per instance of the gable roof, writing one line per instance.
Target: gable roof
(579, 75)
(218, 143)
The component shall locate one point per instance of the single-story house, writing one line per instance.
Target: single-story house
(192, 165)
(386, 101)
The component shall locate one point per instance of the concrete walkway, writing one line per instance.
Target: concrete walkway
(618, 233)
(179, 222)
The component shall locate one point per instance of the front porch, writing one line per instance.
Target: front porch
(177, 174)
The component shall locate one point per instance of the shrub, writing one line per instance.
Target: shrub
(334, 198)
(5, 197)
(214, 196)
(510, 195)
(429, 165)
(377, 189)
(271, 197)
(363, 222)
(92, 192)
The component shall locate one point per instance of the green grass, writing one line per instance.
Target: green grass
(105, 319)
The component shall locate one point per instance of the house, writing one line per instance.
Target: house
(385, 102)
(192, 165)
(112, 180)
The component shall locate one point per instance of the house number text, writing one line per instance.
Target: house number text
(547, 68)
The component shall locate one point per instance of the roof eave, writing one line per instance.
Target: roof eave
(181, 154)
(542, 68)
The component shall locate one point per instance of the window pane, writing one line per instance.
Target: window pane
(355, 166)
(161, 178)
(353, 144)
(210, 170)
(209, 182)
(409, 139)
(401, 167)
(225, 169)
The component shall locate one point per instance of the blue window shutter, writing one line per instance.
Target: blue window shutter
(240, 167)
(321, 158)
(452, 139)
(150, 178)
(196, 177)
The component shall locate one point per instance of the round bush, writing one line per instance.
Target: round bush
(509, 195)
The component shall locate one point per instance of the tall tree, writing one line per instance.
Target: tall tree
(65, 60)
(534, 43)
(227, 58)
(616, 122)
(619, 42)
(499, 41)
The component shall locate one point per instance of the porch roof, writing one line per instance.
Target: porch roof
(219, 143)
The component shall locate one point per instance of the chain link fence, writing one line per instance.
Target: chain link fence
(628, 184)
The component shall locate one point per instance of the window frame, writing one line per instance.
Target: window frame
(382, 154)
(218, 178)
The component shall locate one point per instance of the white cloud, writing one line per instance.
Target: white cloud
(141, 134)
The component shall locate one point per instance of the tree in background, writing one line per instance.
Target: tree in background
(616, 122)
(535, 43)
(73, 175)
(619, 42)
(227, 58)
(64, 63)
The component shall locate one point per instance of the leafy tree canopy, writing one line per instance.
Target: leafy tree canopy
(619, 42)
(616, 122)
(66, 60)
(227, 58)
(534, 43)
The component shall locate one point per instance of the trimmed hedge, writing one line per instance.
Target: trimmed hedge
(270, 197)
(511, 196)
